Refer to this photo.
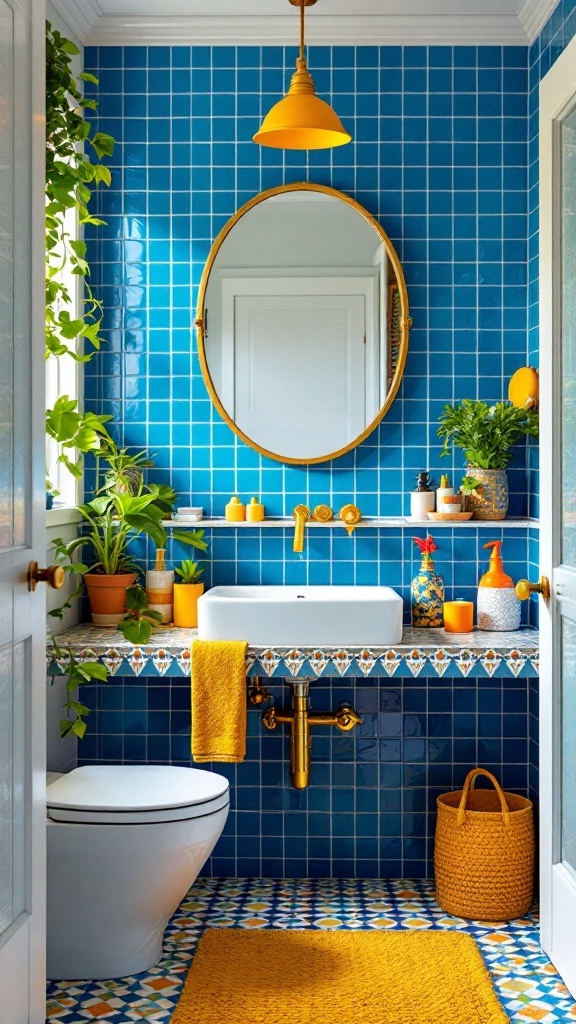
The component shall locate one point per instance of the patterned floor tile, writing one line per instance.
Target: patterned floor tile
(529, 987)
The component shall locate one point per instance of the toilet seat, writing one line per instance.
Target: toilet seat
(135, 794)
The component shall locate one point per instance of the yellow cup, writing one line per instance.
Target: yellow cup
(186, 604)
(458, 616)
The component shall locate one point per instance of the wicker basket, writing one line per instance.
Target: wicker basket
(484, 853)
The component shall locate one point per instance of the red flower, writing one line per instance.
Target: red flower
(426, 546)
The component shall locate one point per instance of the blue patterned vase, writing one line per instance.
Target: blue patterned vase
(427, 596)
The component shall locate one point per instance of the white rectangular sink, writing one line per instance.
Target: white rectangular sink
(302, 616)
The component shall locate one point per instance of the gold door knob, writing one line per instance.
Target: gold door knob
(524, 588)
(54, 576)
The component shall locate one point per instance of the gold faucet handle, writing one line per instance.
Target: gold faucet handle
(322, 514)
(524, 588)
(350, 516)
(301, 511)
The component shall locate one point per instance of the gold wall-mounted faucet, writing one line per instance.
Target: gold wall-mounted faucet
(302, 515)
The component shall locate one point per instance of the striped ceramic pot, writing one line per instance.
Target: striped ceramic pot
(491, 502)
(427, 596)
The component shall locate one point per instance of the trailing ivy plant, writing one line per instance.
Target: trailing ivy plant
(73, 169)
(78, 673)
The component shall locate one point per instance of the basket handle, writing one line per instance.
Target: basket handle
(470, 778)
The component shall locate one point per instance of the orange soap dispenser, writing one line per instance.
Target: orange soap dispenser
(498, 606)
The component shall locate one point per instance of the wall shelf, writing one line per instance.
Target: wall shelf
(374, 523)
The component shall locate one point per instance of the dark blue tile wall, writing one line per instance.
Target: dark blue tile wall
(370, 809)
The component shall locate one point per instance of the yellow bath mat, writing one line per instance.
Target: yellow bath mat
(337, 977)
(219, 700)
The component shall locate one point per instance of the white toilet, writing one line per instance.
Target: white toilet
(125, 843)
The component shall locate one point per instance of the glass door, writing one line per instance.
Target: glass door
(558, 514)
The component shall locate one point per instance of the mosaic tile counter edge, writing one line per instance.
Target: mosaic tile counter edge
(477, 653)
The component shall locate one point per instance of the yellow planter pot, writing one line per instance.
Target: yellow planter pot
(186, 604)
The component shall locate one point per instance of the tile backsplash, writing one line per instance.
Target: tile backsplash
(369, 811)
(441, 157)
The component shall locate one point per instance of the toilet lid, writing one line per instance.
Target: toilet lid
(135, 793)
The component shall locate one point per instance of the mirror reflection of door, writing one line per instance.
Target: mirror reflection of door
(302, 324)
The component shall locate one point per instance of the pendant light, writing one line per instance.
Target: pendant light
(301, 120)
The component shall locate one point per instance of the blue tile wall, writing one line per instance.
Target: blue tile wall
(555, 36)
(440, 157)
(370, 809)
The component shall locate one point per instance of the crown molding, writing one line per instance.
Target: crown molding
(350, 30)
(80, 15)
(533, 15)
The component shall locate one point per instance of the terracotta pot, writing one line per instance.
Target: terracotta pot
(491, 502)
(107, 596)
(186, 604)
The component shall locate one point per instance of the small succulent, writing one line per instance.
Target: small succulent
(445, 480)
(190, 571)
(469, 486)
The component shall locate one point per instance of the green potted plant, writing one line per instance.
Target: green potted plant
(113, 521)
(486, 434)
(186, 594)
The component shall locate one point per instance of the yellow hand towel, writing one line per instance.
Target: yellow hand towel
(219, 700)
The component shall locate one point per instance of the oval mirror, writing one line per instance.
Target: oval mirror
(303, 323)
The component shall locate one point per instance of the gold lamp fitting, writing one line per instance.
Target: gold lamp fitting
(524, 588)
(302, 120)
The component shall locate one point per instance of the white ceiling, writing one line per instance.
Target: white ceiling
(332, 22)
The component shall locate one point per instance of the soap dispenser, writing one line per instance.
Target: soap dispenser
(498, 605)
(423, 499)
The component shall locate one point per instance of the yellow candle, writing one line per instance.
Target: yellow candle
(458, 616)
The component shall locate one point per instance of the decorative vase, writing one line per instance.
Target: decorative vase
(186, 604)
(107, 596)
(427, 596)
(492, 500)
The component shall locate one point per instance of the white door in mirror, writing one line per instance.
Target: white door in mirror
(302, 616)
(294, 355)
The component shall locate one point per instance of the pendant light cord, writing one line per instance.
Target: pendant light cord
(302, 9)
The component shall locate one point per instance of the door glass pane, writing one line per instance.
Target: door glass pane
(12, 785)
(6, 278)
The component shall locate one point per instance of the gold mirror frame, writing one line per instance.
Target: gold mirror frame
(405, 321)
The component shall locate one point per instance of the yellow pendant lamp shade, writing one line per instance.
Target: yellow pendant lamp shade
(302, 120)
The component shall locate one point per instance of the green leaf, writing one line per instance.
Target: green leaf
(94, 670)
(136, 631)
(86, 76)
(103, 144)
(136, 599)
(79, 728)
